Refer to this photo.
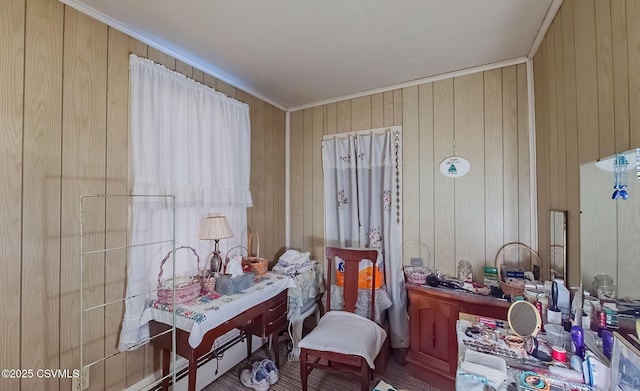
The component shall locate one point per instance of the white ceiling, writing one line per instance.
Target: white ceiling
(297, 52)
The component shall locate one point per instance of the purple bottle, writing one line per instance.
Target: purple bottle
(577, 336)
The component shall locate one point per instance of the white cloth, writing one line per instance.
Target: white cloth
(293, 261)
(293, 257)
(192, 142)
(362, 209)
(347, 333)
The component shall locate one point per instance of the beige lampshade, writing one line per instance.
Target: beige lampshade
(215, 227)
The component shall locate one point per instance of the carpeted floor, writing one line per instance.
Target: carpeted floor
(289, 379)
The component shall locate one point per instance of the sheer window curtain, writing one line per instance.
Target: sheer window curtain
(362, 194)
(192, 142)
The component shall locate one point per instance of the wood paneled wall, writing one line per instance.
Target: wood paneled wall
(587, 87)
(64, 120)
(465, 218)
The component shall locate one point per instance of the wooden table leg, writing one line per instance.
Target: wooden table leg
(166, 360)
(275, 344)
(193, 373)
(249, 337)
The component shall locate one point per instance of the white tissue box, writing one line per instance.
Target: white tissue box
(228, 285)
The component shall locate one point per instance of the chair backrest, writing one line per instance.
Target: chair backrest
(351, 258)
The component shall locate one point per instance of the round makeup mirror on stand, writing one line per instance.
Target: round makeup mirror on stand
(524, 319)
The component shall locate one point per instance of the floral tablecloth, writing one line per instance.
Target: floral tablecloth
(207, 312)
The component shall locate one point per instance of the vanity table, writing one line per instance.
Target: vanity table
(433, 312)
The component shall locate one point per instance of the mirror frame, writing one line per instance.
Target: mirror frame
(558, 241)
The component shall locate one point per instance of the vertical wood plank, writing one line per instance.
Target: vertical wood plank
(41, 191)
(604, 64)
(272, 203)
(387, 109)
(470, 190)
(510, 159)
(377, 110)
(12, 27)
(331, 118)
(84, 135)
(258, 156)
(397, 107)
(317, 249)
(361, 113)
(198, 76)
(411, 174)
(161, 58)
(344, 116)
(587, 99)
(225, 88)
(494, 182)
(267, 246)
(560, 117)
(428, 169)
(308, 180)
(571, 135)
(279, 215)
(296, 168)
(524, 158)
(184, 69)
(138, 48)
(620, 74)
(553, 114)
(545, 179)
(211, 81)
(443, 134)
(116, 208)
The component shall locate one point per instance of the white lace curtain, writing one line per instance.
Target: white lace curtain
(192, 142)
(362, 194)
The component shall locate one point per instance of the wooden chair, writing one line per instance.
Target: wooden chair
(346, 341)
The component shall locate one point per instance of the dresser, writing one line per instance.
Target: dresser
(433, 312)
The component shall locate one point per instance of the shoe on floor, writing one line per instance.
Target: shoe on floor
(255, 378)
(271, 369)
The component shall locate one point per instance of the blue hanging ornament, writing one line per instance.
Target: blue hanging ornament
(620, 164)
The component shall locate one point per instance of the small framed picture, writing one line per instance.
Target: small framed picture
(625, 365)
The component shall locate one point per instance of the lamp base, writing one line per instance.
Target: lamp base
(215, 263)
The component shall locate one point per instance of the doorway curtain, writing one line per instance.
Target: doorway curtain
(362, 208)
(192, 142)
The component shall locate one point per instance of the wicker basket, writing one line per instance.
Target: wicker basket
(416, 275)
(513, 289)
(258, 265)
(187, 288)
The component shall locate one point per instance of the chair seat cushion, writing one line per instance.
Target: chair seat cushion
(346, 333)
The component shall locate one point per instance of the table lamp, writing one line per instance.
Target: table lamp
(215, 228)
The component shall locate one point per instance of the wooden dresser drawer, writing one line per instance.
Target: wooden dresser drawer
(274, 316)
(276, 307)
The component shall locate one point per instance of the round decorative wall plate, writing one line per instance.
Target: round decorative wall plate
(455, 166)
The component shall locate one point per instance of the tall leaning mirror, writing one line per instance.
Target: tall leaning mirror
(558, 245)
(610, 225)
